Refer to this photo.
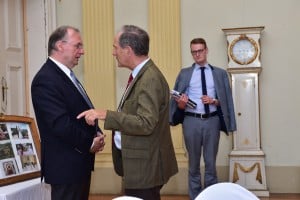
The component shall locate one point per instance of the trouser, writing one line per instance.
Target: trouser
(78, 191)
(145, 194)
(201, 134)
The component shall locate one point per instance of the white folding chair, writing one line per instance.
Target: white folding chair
(222, 191)
(126, 198)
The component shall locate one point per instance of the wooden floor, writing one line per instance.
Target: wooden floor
(180, 197)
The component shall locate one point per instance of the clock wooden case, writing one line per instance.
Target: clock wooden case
(247, 159)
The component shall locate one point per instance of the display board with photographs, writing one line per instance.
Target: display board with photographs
(19, 149)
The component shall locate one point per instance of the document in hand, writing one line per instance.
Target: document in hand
(190, 102)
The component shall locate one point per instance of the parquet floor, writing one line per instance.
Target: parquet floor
(184, 197)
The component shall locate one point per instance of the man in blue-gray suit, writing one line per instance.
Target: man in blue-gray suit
(68, 145)
(208, 87)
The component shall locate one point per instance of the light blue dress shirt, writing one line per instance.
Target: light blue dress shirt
(194, 91)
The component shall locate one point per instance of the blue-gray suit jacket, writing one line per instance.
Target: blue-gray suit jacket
(223, 92)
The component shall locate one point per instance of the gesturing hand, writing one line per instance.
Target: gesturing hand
(91, 116)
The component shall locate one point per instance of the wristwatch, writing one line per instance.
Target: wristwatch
(215, 101)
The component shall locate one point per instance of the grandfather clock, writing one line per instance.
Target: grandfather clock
(247, 159)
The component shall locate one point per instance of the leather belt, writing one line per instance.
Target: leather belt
(201, 116)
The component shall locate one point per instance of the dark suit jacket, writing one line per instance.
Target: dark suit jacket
(148, 157)
(224, 95)
(65, 141)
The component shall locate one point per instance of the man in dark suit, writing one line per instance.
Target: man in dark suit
(68, 145)
(143, 151)
(202, 124)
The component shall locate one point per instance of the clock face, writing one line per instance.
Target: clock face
(243, 50)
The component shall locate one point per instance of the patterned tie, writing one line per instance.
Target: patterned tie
(85, 96)
(129, 80)
(80, 89)
(124, 94)
(204, 89)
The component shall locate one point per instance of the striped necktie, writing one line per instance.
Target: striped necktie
(81, 89)
(85, 96)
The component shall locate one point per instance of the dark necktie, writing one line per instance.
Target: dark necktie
(81, 90)
(204, 89)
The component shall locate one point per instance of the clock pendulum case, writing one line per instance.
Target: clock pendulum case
(247, 159)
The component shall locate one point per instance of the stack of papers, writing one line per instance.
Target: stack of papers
(190, 102)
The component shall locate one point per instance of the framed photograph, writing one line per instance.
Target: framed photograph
(19, 149)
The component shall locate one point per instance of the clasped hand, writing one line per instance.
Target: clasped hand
(90, 117)
(98, 143)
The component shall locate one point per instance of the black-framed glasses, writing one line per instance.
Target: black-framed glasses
(198, 51)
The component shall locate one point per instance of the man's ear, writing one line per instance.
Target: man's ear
(58, 45)
(128, 50)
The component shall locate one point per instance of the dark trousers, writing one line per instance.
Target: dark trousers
(78, 191)
(145, 194)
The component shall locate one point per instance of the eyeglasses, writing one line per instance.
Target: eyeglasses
(77, 46)
(199, 51)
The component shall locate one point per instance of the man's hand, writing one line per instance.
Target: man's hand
(207, 100)
(91, 116)
(98, 143)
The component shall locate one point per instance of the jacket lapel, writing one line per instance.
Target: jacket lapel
(131, 86)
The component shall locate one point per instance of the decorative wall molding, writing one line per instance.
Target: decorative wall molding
(12, 31)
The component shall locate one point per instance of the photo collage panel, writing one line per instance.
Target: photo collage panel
(17, 151)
